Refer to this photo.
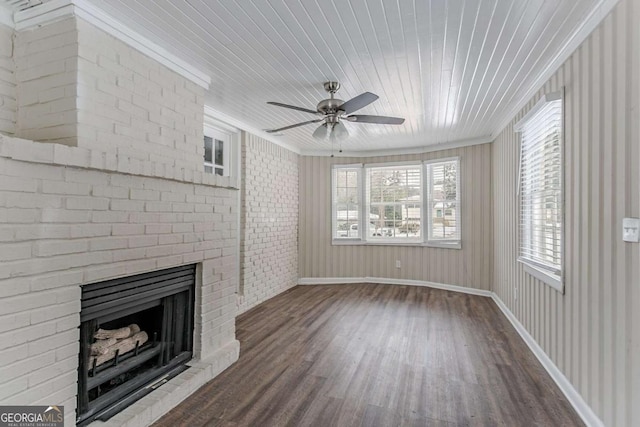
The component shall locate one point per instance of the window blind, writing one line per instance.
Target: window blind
(394, 200)
(541, 202)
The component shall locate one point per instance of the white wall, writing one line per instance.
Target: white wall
(589, 331)
(469, 266)
(269, 251)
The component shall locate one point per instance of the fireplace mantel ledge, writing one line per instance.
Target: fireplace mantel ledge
(25, 150)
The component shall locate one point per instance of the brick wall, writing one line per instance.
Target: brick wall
(8, 106)
(118, 190)
(63, 226)
(80, 86)
(46, 60)
(131, 105)
(269, 221)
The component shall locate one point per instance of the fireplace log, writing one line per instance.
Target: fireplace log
(122, 346)
(102, 346)
(104, 334)
(126, 332)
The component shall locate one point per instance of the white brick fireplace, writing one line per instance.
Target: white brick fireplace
(114, 188)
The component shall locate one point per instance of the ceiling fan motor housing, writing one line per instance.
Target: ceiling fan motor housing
(329, 106)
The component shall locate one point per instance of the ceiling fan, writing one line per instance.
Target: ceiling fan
(334, 111)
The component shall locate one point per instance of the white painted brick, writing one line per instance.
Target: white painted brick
(90, 230)
(157, 229)
(141, 241)
(110, 192)
(108, 217)
(45, 248)
(127, 205)
(108, 243)
(71, 188)
(158, 207)
(128, 255)
(127, 229)
(104, 272)
(64, 216)
(151, 195)
(57, 369)
(12, 252)
(10, 183)
(87, 203)
(18, 216)
(170, 239)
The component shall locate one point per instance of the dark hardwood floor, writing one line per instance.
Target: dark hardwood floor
(377, 355)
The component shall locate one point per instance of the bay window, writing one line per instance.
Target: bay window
(397, 203)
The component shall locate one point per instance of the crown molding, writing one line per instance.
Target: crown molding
(215, 114)
(585, 29)
(401, 151)
(59, 9)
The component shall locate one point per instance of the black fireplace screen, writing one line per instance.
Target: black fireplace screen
(135, 334)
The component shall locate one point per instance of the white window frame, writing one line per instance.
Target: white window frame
(364, 208)
(230, 137)
(552, 275)
(444, 243)
(334, 212)
(367, 203)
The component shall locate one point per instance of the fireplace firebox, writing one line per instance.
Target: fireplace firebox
(136, 333)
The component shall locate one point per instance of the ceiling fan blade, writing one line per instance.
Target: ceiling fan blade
(358, 102)
(383, 120)
(293, 107)
(293, 126)
(322, 132)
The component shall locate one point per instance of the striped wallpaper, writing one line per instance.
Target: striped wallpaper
(469, 266)
(592, 331)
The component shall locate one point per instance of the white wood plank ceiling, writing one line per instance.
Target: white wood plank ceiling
(453, 68)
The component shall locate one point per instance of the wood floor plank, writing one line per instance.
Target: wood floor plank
(377, 355)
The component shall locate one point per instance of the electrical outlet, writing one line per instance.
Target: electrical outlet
(398, 264)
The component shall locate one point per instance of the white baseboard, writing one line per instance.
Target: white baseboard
(581, 407)
(575, 399)
(387, 281)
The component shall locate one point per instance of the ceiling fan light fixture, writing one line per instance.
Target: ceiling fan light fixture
(322, 132)
(339, 132)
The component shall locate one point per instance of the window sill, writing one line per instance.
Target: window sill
(432, 244)
(544, 276)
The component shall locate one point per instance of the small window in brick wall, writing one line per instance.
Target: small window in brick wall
(221, 148)
(214, 156)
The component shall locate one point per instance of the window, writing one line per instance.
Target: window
(220, 150)
(443, 201)
(214, 156)
(540, 190)
(346, 201)
(394, 202)
(410, 203)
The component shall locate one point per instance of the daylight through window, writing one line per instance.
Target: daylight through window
(412, 203)
(541, 198)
